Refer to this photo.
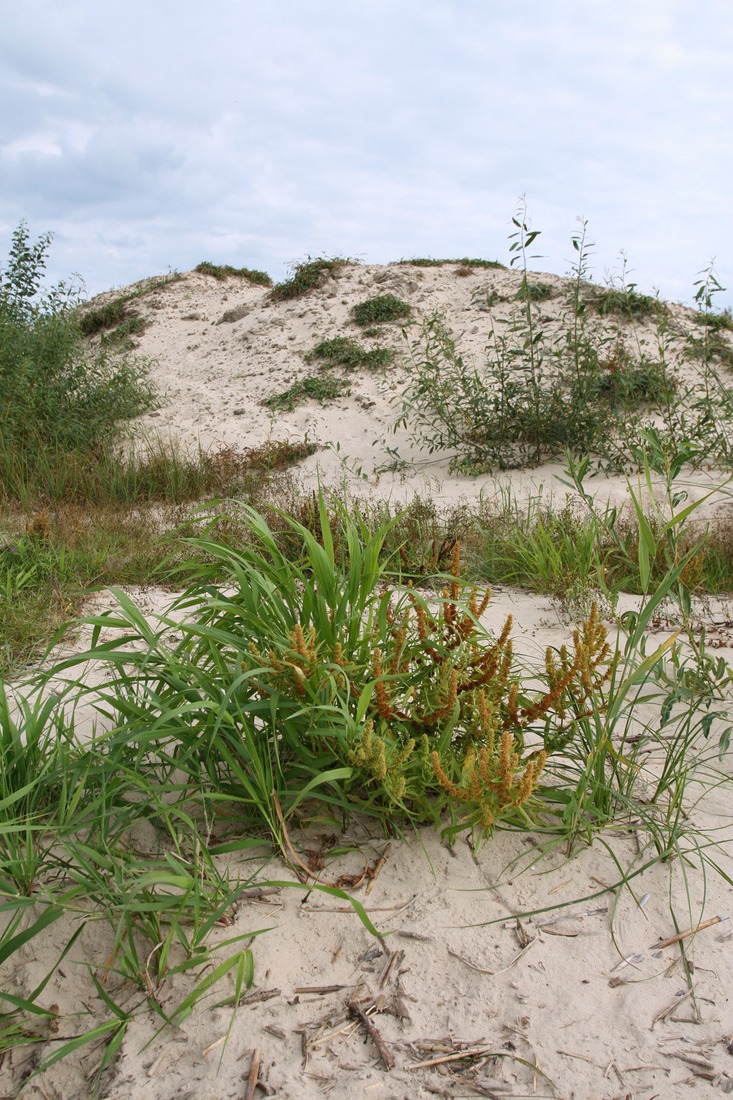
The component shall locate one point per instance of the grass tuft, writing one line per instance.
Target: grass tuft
(464, 262)
(314, 387)
(222, 272)
(344, 352)
(308, 275)
(379, 310)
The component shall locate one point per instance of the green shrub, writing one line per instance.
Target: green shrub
(385, 307)
(93, 321)
(625, 301)
(535, 292)
(221, 272)
(54, 393)
(462, 262)
(122, 335)
(314, 387)
(306, 276)
(344, 352)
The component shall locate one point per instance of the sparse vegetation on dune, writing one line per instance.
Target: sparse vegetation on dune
(307, 275)
(326, 658)
(221, 272)
(465, 262)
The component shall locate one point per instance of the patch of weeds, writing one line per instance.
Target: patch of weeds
(314, 387)
(56, 394)
(221, 273)
(722, 321)
(279, 454)
(122, 335)
(621, 379)
(463, 262)
(371, 332)
(379, 310)
(95, 319)
(306, 276)
(540, 392)
(99, 318)
(625, 301)
(149, 470)
(344, 352)
(486, 297)
(535, 292)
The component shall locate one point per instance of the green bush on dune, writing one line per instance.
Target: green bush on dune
(55, 394)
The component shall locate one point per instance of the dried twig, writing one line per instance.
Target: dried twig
(371, 1030)
(372, 872)
(670, 1008)
(454, 1057)
(491, 973)
(688, 932)
(254, 1075)
(398, 957)
(573, 916)
(319, 988)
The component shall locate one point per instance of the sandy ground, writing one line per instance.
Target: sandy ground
(557, 979)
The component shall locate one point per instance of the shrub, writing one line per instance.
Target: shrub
(461, 263)
(385, 307)
(626, 302)
(122, 335)
(343, 352)
(306, 276)
(221, 272)
(54, 393)
(313, 387)
(93, 321)
(535, 292)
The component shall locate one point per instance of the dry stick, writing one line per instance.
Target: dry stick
(384, 1054)
(691, 1059)
(397, 959)
(688, 932)
(377, 868)
(456, 1057)
(255, 893)
(670, 1008)
(318, 988)
(492, 973)
(254, 1074)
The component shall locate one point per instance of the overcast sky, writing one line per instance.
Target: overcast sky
(151, 134)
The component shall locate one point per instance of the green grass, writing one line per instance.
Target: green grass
(221, 272)
(58, 396)
(463, 262)
(379, 310)
(308, 275)
(95, 319)
(534, 291)
(344, 352)
(314, 387)
(122, 335)
(626, 302)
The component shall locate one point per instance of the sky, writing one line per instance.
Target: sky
(152, 134)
